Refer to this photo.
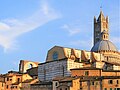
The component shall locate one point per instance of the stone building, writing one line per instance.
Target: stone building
(103, 54)
(60, 60)
(61, 68)
(93, 68)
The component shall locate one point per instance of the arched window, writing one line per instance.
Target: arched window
(104, 36)
(55, 56)
(30, 66)
(56, 84)
(107, 58)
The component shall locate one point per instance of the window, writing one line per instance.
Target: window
(55, 56)
(92, 83)
(7, 79)
(117, 88)
(110, 82)
(105, 88)
(117, 81)
(66, 89)
(110, 88)
(2, 84)
(7, 86)
(35, 77)
(107, 58)
(104, 36)
(18, 79)
(86, 73)
(56, 84)
(96, 83)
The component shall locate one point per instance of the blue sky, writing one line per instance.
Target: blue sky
(29, 28)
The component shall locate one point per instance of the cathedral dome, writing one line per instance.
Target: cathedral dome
(104, 45)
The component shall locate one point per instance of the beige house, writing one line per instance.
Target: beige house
(2, 82)
(66, 83)
(97, 79)
(91, 71)
(13, 80)
(20, 80)
(27, 83)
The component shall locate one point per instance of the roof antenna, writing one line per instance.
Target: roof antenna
(101, 6)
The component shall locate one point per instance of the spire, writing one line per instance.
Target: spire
(101, 16)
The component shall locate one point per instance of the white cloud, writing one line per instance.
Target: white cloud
(4, 26)
(71, 29)
(10, 29)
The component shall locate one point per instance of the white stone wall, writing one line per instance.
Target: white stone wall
(115, 67)
(49, 70)
(72, 64)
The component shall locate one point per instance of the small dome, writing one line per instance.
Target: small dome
(104, 45)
